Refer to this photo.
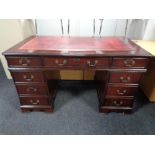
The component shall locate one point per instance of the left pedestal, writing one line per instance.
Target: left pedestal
(36, 92)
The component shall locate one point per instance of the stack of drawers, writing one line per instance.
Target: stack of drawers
(118, 86)
(30, 83)
(122, 84)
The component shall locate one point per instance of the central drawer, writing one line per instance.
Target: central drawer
(121, 90)
(62, 62)
(76, 62)
(97, 62)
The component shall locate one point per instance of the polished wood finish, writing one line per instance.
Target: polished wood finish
(129, 63)
(119, 102)
(29, 108)
(24, 61)
(32, 89)
(57, 62)
(124, 77)
(34, 101)
(117, 63)
(121, 90)
(25, 76)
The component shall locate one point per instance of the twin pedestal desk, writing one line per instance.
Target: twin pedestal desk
(118, 64)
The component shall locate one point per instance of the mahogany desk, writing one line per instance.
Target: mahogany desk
(118, 64)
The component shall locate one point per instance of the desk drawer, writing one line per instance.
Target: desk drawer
(129, 62)
(32, 89)
(97, 62)
(28, 76)
(24, 61)
(118, 102)
(62, 62)
(121, 90)
(77, 62)
(124, 77)
(34, 101)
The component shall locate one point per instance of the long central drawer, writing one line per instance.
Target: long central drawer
(76, 62)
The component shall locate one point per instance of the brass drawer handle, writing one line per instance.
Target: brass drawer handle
(129, 62)
(61, 64)
(24, 61)
(29, 78)
(118, 103)
(90, 64)
(121, 92)
(33, 102)
(125, 80)
(31, 89)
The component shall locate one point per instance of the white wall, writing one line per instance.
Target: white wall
(81, 27)
(12, 31)
(150, 30)
(137, 29)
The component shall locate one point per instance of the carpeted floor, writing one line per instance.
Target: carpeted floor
(76, 112)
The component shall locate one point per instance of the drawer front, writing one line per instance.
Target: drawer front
(97, 62)
(121, 91)
(62, 62)
(129, 62)
(28, 76)
(32, 89)
(77, 62)
(124, 77)
(118, 102)
(24, 61)
(34, 101)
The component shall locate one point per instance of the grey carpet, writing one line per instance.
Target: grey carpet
(76, 112)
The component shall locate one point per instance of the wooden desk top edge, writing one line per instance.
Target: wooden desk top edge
(138, 51)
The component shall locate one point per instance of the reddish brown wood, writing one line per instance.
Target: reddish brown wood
(62, 62)
(118, 63)
(97, 62)
(107, 109)
(130, 62)
(24, 61)
(121, 90)
(32, 89)
(57, 62)
(124, 77)
(34, 101)
(118, 102)
(27, 76)
(37, 108)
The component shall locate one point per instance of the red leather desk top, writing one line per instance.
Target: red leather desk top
(76, 43)
(77, 46)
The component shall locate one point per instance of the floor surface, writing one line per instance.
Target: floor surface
(76, 112)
